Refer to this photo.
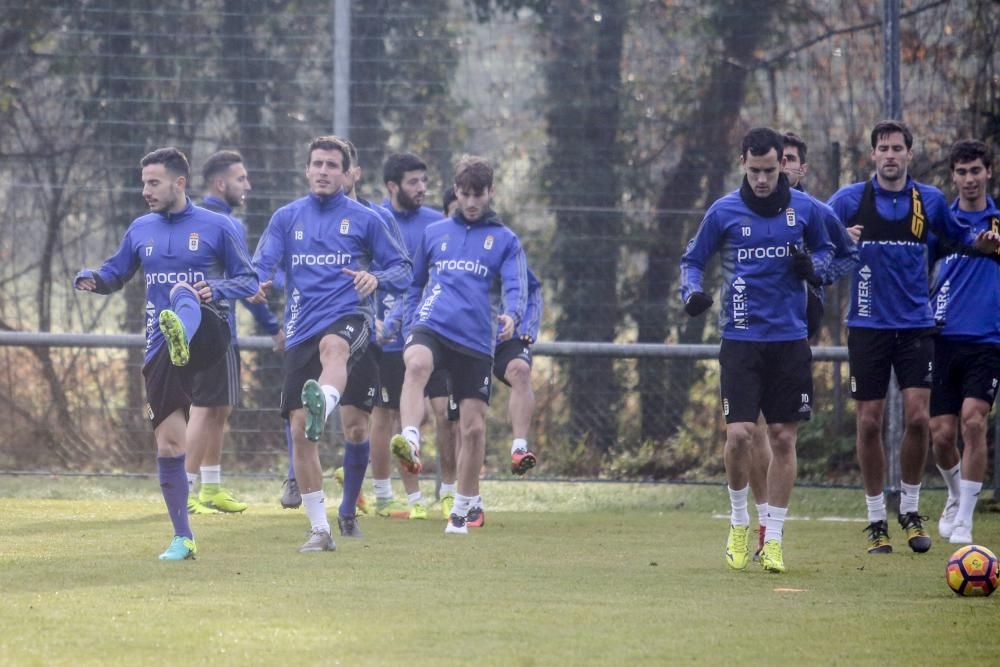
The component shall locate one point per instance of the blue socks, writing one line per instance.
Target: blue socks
(185, 304)
(173, 484)
(355, 465)
(291, 449)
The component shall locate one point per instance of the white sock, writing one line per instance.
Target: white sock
(211, 474)
(478, 502)
(412, 435)
(519, 443)
(332, 398)
(968, 494)
(462, 505)
(447, 488)
(876, 507)
(775, 523)
(738, 501)
(192, 480)
(909, 498)
(383, 489)
(315, 504)
(414, 497)
(762, 514)
(951, 477)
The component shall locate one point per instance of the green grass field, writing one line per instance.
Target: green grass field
(561, 574)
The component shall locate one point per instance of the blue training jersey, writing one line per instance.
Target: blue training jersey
(391, 306)
(761, 298)
(889, 286)
(261, 313)
(966, 290)
(190, 246)
(464, 275)
(532, 319)
(314, 239)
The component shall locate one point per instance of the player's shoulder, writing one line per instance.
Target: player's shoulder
(212, 218)
(726, 205)
(931, 192)
(429, 214)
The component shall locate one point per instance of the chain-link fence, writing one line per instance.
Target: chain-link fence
(613, 124)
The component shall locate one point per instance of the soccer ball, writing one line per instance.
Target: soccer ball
(973, 571)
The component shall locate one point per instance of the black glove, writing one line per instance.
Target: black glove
(803, 268)
(697, 304)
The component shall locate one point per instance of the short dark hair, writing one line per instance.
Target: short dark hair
(884, 128)
(969, 150)
(397, 164)
(473, 173)
(330, 142)
(352, 149)
(448, 198)
(792, 139)
(172, 160)
(759, 141)
(218, 163)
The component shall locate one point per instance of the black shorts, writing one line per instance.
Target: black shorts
(170, 388)
(218, 385)
(508, 351)
(764, 377)
(302, 362)
(470, 373)
(961, 371)
(390, 379)
(438, 384)
(362, 384)
(874, 353)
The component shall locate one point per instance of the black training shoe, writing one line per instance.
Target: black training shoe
(878, 538)
(916, 536)
(349, 526)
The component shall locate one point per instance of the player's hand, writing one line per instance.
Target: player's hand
(364, 283)
(204, 290)
(278, 341)
(697, 304)
(527, 338)
(855, 232)
(506, 326)
(261, 294)
(802, 266)
(84, 281)
(987, 242)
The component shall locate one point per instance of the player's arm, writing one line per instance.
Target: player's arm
(415, 291)
(514, 282)
(527, 330)
(395, 268)
(700, 248)
(240, 279)
(845, 203)
(955, 236)
(845, 250)
(114, 273)
(270, 252)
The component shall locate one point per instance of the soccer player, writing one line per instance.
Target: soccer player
(966, 300)
(193, 263)
(405, 179)
(845, 256)
(762, 232)
(327, 244)
(890, 323)
(464, 267)
(216, 392)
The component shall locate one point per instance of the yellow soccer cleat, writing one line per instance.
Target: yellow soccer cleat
(771, 557)
(738, 548)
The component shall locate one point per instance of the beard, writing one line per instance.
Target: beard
(408, 202)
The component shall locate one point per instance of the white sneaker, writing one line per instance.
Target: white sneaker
(946, 523)
(456, 525)
(961, 534)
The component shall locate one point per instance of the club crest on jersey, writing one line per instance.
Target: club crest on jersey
(345, 226)
(488, 243)
(790, 216)
(193, 242)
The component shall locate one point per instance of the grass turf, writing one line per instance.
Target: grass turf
(561, 573)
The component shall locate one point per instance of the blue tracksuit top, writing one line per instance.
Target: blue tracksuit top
(193, 245)
(532, 320)
(762, 300)
(966, 290)
(464, 275)
(261, 313)
(314, 239)
(382, 296)
(392, 307)
(889, 286)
